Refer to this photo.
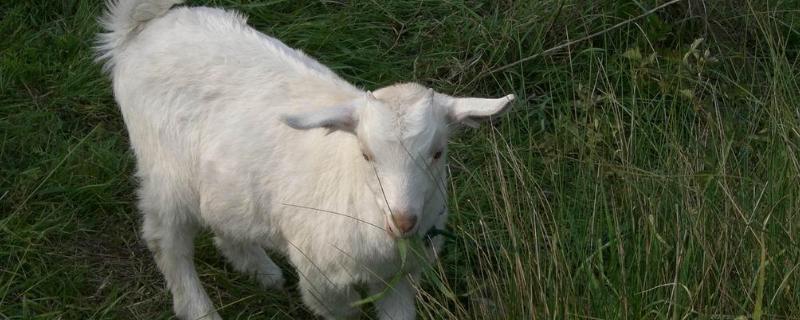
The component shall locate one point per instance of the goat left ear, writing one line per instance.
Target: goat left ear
(342, 117)
(470, 111)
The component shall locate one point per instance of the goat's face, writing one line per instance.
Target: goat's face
(402, 133)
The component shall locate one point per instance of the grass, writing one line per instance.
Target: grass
(649, 170)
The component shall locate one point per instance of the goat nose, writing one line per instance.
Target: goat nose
(404, 221)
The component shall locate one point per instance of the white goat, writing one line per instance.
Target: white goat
(236, 132)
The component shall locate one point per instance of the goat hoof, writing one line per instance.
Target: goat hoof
(271, 281)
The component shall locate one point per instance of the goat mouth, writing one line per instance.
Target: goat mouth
(388, 227)
(393, 233)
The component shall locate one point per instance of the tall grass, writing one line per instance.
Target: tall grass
(649, 170)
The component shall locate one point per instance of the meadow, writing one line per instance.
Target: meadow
(650, 168)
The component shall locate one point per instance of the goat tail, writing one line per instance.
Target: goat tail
(121, 19)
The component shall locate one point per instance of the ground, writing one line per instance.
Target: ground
(649, 168)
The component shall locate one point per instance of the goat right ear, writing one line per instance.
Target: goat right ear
(471, 111)
(332, 118)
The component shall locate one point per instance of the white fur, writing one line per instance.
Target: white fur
(236, 132)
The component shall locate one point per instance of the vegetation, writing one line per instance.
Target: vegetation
(649, 169)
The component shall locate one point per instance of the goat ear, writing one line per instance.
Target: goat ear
(332, 118)
(470, 111)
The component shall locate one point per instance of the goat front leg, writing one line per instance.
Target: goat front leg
(398, 303)
(320, 294)
(328, 301)
(250, 258)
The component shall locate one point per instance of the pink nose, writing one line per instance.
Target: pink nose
(404, 221)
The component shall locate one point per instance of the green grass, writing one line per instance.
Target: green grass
(636, 177)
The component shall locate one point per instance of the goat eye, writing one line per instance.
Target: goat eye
(366, 157)
(437, 155)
